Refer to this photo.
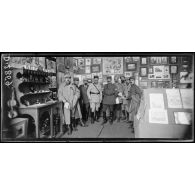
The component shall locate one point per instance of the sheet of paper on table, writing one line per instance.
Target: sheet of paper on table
(156, 101)
(174, 98)
(158, 116)
(184, 118)
(187, 98)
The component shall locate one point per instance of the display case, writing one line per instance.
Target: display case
(168, 116)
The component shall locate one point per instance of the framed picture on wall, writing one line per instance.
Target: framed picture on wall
(95, 68)
(97, 60)
(153, 60)
(143, 72)
(151, 76)
(87, 69)
(173, 60)
(129, 59)
(164, 60)
(87, 61)
(128, 74)
(144, 61)
(173, 69)
(130, 66)
(150, 70)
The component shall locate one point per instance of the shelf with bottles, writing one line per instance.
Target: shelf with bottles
(35, 76)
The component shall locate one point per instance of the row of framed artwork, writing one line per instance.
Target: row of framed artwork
(159, 60)
(78, 61)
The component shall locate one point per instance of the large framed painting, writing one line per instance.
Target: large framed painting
(112, 65)
(95, 68)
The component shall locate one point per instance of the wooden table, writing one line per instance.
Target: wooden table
(38, 109)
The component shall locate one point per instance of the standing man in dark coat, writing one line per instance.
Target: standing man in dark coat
(134, 96)
(84, 100)
(110, 93)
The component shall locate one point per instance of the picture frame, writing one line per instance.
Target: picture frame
(164, 60)
(87, 61)
(144, 61)
(184, 67)
(131, 66)
(173, 69)
(151, 76)
(150, 70)
(97, 60)
(143, 71)
(185, 60)
(153, 60)
(129, 60)
(128, 74)
(95, 68)
(87, 69)
(173, 60)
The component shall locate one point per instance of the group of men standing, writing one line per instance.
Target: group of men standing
(80, 102)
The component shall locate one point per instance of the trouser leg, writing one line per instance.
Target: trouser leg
(104, 113)
(74, 126)
(111, 113)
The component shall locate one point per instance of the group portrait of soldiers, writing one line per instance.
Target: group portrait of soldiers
(115, 101)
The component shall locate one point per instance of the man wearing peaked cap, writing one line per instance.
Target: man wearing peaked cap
(66, 94)
(94, 93)
(109, 95)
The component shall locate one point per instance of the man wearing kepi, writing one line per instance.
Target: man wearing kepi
(76, 114)
(119, 101)
(94, 93)
(109, 98)
(84, 100)
(134, 95)
(66, 94)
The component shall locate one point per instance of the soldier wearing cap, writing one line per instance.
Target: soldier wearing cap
(84, 100)
(125, 100)
(134, 95)
(94, 93)
(110, 93)
(76, 114)
(119, 100)
(66, 94)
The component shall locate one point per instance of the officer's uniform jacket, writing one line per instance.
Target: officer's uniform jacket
(120, 89)
(94, 93)
(109, 94)
(84, 97)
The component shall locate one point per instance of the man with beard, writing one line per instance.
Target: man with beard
(66, 94)
(118, 103)
(109, 99)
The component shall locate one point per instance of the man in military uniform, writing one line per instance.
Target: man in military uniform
(119, 101)
(76, 114)
(66, 94)
(94, 93)
(84, 100)
(134, 95)
(109, 99)
(125, 100)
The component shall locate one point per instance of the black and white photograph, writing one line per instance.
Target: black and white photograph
(52, 102)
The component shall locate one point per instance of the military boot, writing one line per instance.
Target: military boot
(69, 129)
(111, 117)
(74, 126)
(97, 116)
(104, 118)
(92, 117)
